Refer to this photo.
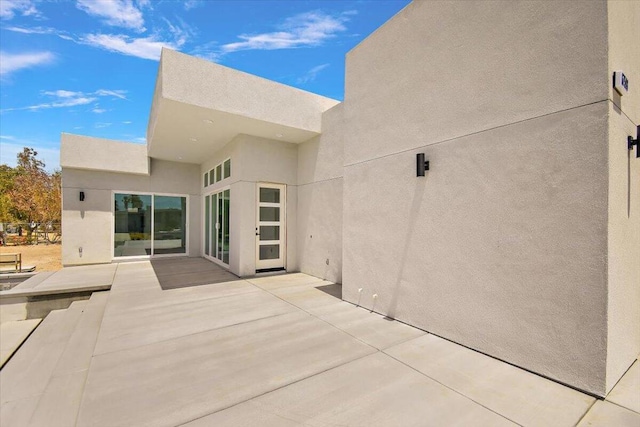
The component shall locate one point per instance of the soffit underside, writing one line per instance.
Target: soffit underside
(191, 134)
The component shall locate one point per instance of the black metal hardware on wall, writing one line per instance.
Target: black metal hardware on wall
(631, 142)
(82, 196)
(422, 165)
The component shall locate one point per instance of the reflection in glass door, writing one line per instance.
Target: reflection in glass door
(146, 224)
(216, 226)
(270, 227)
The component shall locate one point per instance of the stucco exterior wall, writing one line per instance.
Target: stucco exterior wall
(88, 153)
(501, 247)
(623, 344)
(89, 224)
(320, 166)
(255, 160)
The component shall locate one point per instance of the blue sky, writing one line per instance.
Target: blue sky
(89, 66)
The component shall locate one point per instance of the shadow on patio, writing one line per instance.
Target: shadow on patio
(174, 273)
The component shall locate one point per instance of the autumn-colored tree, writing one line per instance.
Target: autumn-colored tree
(7, 210)
(34, 195)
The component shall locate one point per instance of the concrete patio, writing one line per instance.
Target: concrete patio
(270, 351)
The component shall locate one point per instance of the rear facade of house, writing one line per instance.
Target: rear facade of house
(521, 241)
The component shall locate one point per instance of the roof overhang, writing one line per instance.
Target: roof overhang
(199, 106)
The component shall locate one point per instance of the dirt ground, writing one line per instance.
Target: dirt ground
(44, 257)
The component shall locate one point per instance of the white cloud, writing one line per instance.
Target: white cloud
(32, 30)
(303, 30)
(9, 8)
(311, 74)
(102, 125)
(67, 98)
(192, 4)
(127, 122)
(63, 93)
(114, 93)
(146, 47)
(10, 63)
(98, 110)
(120, 13)
(209, 51)
(9, 152)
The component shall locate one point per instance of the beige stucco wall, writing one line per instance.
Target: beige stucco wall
(89, 224)
(255, 160)
(502, 246)
(320, 170)
(88, 153)
(199, 82)
(623, 343)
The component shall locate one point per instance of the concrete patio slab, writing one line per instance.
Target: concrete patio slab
(80, 277)
(12, 335)
(33, 281)
(284, 281)
(371, 328)
(309, 295)
(372, 391)
(178, 380)
(29, 370)
(605, 414)
(521, 396)
(627, 392)
(163, 322)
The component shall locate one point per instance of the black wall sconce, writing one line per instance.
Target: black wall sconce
(422, 165)
(631, 142)
(82, 196)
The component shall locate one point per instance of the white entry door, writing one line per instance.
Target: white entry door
(270, 226)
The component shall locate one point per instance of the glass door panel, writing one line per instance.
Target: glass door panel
(132, 225)
(270, 227)
(217, 225)
(169, 225)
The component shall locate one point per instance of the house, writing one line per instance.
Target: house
(521, 240)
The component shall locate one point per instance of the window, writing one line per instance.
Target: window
(217, 174)
(146, 224)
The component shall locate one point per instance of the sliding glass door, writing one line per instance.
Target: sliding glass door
(149, 224)
(216, 226)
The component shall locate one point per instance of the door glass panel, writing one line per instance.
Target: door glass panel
(269, 232)
(225, 242)
(214, 230)
(227, 168)
(269, 195)
(220, 221)
(269, 213)
(269, 252)
(132, 231)
(169, 225)
(207, 224)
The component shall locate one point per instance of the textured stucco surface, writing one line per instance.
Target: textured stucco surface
(320, 202)
(623, 344)
(441, 70)
(254, 160)
(501, 247)
(88, 153)
(89, 224)
(221, 88)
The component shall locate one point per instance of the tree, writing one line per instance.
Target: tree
(34, 195)
(7, 210)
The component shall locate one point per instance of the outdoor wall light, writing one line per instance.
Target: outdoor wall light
(82, 196)
(631, 142)
(422, 165)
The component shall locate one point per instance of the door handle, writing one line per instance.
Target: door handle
(257, 234)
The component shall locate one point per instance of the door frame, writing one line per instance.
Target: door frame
(282, 261)
(211, 193)
(153, 205)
